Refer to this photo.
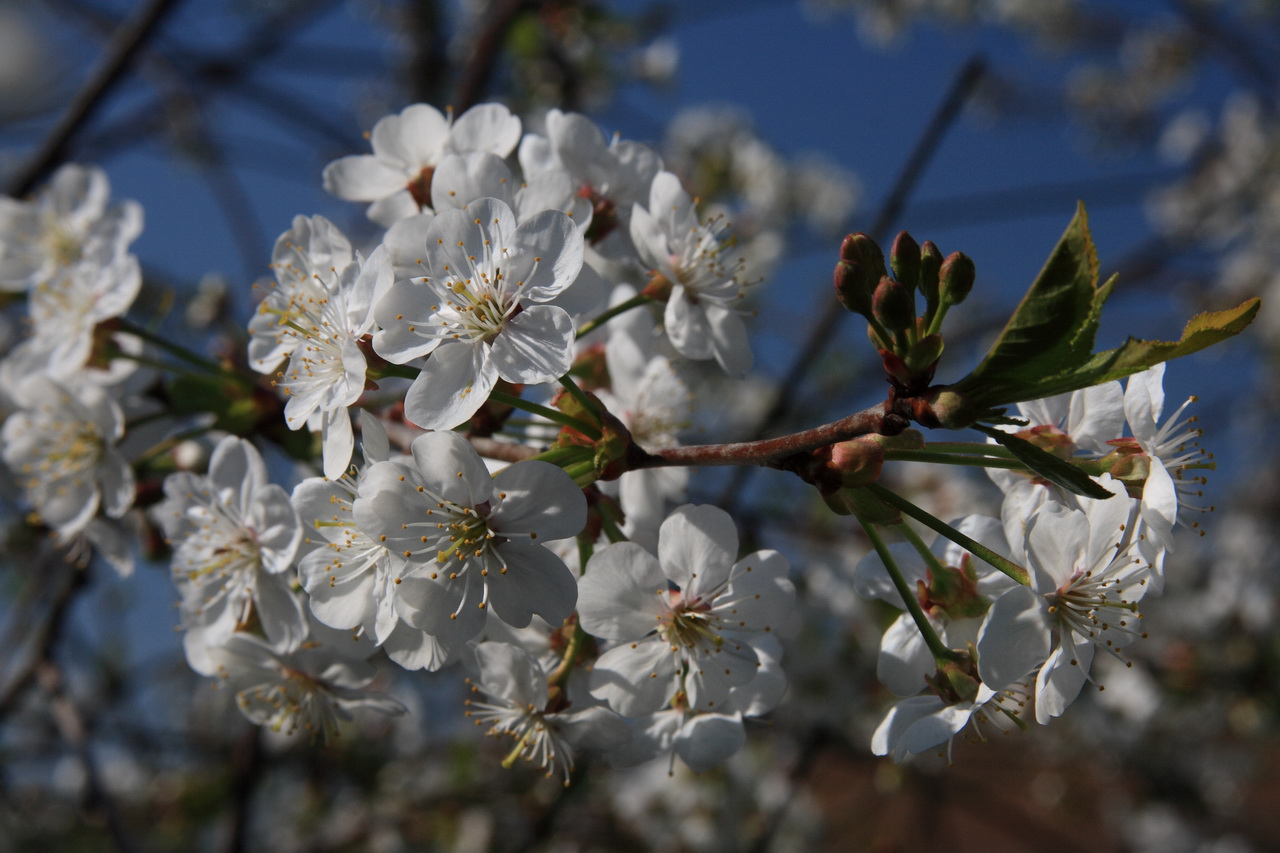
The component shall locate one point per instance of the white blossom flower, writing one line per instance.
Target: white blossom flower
(703, 316)
(519, 707)
(326, 370)
(407, 147)
(62, 447)
(706, 739)
(234, 536)
(43, 238)
(350, 578)
(308, 261)
(1090, 581)
(681, 622)
(478, 539)
(310, 689)
(654, 403)
(1064, 425)
(613, 177)
(921, 723)
(1172, 452)
(475, 311)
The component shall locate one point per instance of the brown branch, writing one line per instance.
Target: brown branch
(124, 46)
(771, 452)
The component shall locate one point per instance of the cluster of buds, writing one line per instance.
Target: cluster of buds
(909, 344)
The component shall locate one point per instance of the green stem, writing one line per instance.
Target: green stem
(401, 370)
(571, 655)
(935, 565)
(610, 523)
(935, 323)
(550, 414)
(953, 459)
(180, 352)
(975, 448)
(939, 649)
(163, 366)
(621, 308)
(1004, 564)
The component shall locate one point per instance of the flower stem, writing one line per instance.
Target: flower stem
(1004, 564)
(621, 308)
(403, 371)
(975, 448)
(935, 565)
(939, 650)
(571, 653)
(550, 414)
(178, 351)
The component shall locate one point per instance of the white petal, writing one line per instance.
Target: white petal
(904, 658)
(1014, 638)
(697, 546)
(638, 680)
(535, 346)
(452, 386)
(536, 581)
(362, 177)
(620, 595)
(708, 739)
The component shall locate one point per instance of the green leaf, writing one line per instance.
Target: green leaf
(1055, 324)
(1056, 470)
(1135, 355)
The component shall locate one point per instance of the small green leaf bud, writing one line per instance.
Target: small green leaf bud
(852, 288)
(894, 305)
(930, 265)
(956, 277)
(904, 257)
(924, 353)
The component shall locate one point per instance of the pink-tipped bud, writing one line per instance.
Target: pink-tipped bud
(894, 305)
(930, 267)
(904, 257)
(852, 289)
(956, 278)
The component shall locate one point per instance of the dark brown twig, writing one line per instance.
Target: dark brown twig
(120, 52)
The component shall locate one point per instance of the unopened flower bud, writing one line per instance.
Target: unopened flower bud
(930, 265)
(894, 305)
(852, 288)
(956, 277)
(863, 252)
(904, 257)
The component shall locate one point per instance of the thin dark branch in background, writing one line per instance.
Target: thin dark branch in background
(962, 88)
(484, 55)
(246, 769)
(74, 729)
(1237, 50)
(46, 635)
(124, 46)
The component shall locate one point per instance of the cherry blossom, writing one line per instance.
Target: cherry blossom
(407, 147)
(476, 312)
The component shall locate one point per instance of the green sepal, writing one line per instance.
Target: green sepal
(1055, 469)
(860, 502)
